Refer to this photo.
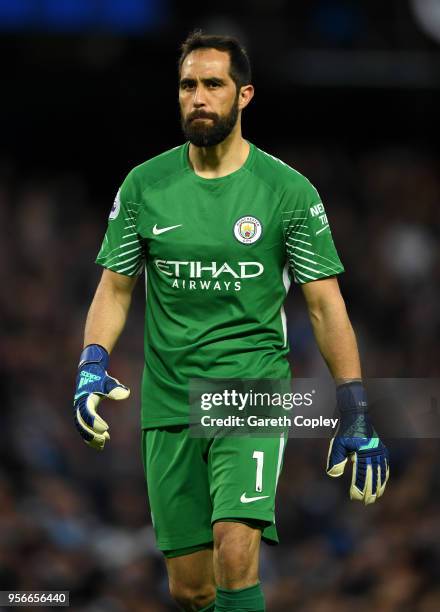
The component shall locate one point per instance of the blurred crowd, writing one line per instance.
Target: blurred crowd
(73, 519)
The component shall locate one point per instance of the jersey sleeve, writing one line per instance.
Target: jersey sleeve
(309, 244)
(122, 250)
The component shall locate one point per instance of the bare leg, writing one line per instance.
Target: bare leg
(236, 555)
(191, 580)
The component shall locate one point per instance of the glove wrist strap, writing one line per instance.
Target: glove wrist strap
(94, 353)
(351, 396)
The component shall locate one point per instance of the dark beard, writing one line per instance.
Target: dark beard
(202, 135)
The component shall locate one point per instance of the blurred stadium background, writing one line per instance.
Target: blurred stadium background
(347, 93)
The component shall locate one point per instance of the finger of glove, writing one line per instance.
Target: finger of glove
(355, 492)
(90, 437)
(361, 488)
(385, 476)
(85, 432)
(98, 441)
(380, 470)
(375, 473)
(115, 390)
(381, 475)
(336, 458)
(92, 402)
(370, 491)
(380, 489)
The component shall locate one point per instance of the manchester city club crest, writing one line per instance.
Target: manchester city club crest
(248, 230)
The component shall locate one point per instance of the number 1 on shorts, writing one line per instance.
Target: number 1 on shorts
(259, 456)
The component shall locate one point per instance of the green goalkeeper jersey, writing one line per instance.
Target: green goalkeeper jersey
(218, 255)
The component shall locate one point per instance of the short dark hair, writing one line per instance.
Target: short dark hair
(240, 67)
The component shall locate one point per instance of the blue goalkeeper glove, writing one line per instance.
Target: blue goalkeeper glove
(92, 384)
(356, 438)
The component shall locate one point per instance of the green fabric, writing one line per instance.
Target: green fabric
(250, 599)
(219, 255)
(193, 482)
(189, 550)
(210, 608)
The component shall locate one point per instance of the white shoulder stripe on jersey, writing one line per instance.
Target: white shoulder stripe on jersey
(124, 261)
(123, 245)
(332, 269)
(301, 233)
(306, 275)
(298, 248)
(119, 255)
(132, 268)
(298, 240)
(307, 268)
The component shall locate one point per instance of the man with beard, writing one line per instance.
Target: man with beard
(221, 227)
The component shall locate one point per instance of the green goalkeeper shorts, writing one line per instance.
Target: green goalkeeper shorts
(194, 482)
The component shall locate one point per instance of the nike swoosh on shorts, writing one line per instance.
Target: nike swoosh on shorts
(247, 500)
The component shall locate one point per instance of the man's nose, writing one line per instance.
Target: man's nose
(199, 97)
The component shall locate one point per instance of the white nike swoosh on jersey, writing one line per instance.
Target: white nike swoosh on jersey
(247, 500)
(157, 230)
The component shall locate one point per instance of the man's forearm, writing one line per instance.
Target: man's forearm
(107, 314)
(336, 340)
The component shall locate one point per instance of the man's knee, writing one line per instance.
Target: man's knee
(191, 579)
(192, 597)
(236, 554)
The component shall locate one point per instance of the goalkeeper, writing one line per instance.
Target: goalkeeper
(221, 229)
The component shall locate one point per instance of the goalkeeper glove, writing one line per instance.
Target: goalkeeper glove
(356, 438)
(92, 384)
